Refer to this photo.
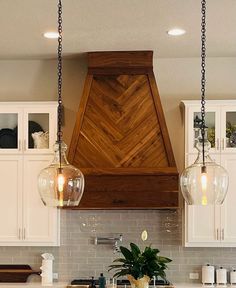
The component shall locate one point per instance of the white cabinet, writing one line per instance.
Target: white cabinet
(24, 220)
(212, 226)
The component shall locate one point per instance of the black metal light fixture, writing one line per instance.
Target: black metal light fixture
(204, 182)
(60, 184)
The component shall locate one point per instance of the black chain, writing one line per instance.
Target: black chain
(59, 72)
(59, 84)
(203, 74)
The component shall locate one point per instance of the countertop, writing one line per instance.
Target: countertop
(64, 285)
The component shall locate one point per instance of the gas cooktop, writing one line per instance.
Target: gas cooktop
(87, 282)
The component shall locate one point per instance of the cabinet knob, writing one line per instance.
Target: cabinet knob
(223, 234)
(19, 233)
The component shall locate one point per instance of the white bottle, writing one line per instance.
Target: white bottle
(221, 276)
(47, 269)
(208, 274)
(233, 277)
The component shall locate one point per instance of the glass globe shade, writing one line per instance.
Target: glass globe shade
(60, 185)
(204, 183)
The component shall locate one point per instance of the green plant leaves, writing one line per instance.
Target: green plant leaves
(138, 263)
(135, 250)
(127, 254)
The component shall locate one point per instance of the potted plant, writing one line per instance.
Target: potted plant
(140, 266)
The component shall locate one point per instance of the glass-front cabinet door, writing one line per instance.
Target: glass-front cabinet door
(228, 128)
(27, 127)
(211, 122)
(10, 132)
(39, 129)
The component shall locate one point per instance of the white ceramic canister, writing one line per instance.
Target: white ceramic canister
(208, 274)
(221, 276)
(233, 277)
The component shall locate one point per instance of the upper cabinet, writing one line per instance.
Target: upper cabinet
(212, 226)
(220, 122)
(27, 134)
(27, 127)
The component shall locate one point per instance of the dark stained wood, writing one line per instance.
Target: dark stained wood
(130, 192)
(16, 273)
(160, 115)
(80, 114)
(120, 139)
(119, 59)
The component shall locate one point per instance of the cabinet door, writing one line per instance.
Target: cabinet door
(11, 199)
(10, 130)
(228, 209)
(202, 223)
(40, 223)
(228, 129)
(193, 123)
(40, 129)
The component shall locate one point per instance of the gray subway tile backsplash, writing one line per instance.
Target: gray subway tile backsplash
(79, 257)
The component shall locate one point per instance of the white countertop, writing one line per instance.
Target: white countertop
(33, 285)
(64, 285)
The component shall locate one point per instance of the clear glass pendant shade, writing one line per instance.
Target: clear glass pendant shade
(61, 186)
(204, 184)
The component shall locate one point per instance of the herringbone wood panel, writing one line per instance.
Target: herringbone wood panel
(120, 126)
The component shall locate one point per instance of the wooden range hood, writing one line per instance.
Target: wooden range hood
(120, 140)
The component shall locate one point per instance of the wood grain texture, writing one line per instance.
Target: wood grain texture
(16, 273)
(121, 126)
(119, 59)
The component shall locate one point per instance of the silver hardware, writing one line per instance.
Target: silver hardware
(218, 144)
(109, 241)
(217, 234)
(19, 233)
(223, 234)
(223, 144)
(24, 145)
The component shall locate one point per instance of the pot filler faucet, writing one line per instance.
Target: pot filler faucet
(109, 241)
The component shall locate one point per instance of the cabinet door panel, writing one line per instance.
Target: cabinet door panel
(228, 129)
(40, 222)
(10, 130)
(228, 209)
(193, 122)
(202, 223)
(39, 129)
(11, 199)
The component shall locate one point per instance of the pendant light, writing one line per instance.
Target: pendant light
(204, 182)
(60, 184)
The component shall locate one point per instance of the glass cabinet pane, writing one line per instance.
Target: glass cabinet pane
(8, 130)
(230, 129)
(210, 124)
(38, 131)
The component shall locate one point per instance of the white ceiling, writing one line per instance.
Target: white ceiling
(93, 25)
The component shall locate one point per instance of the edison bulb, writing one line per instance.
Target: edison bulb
(61, 184)
(204, 182)
(204, 188)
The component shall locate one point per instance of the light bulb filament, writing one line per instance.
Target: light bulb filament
(204, 187)
(60, 187)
